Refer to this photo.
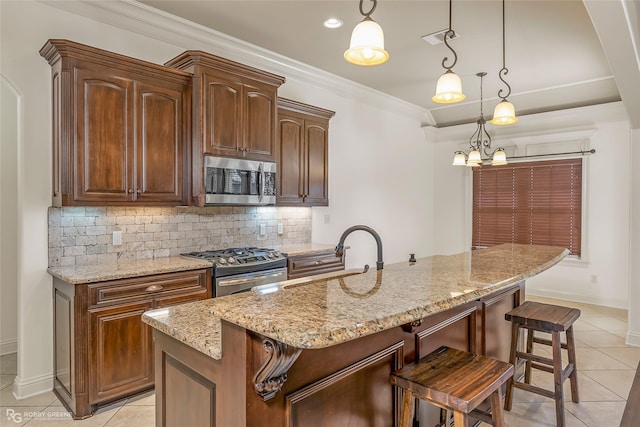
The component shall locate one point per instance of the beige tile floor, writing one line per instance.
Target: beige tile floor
(606, 367)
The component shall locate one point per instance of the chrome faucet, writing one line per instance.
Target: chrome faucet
(340, 247)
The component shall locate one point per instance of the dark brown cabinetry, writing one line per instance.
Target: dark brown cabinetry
(103, 351)
(303, 163)
(120, 128)
(339, 385)
(234, 110)
(314, 263)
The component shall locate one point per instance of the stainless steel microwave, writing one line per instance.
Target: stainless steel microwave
(239, 182)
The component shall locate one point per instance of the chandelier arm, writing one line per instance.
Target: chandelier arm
(367, 15)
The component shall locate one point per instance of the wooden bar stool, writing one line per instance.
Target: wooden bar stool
(453, 380)
(552, 319)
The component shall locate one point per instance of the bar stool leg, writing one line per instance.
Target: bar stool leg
(497, 416)
(527, 365)
(407, 410)
(515, 332)
(557, 378)
(460, 419)
(573, 378)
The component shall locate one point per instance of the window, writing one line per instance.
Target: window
(538, 203)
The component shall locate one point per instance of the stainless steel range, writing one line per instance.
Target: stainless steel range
(239, 269)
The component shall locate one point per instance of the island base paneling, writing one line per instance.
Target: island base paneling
(345, 384)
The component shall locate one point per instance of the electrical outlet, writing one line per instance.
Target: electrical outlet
(263, 229)
(280, 228)
(116, 238)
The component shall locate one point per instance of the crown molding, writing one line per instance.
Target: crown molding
(142, 19)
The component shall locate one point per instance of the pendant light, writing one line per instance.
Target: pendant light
(480, 142)
(449, 86)
(504, 113)
(367, 41)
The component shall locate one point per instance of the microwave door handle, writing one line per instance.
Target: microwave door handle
(261, 184)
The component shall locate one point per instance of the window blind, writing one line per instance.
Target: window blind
(537, 203)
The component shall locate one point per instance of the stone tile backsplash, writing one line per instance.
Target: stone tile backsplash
(83, 235)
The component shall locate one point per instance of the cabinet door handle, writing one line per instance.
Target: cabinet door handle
(318, 262)
(138, 191)
(130, 191)
(154, 288)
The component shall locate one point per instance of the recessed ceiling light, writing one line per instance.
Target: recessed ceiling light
(333, 23)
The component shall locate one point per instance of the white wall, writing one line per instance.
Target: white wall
(380, 162)
(633, 335)
(603, 277)
(9, 110)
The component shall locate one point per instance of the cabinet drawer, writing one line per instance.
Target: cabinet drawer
(118, 291)
(316, 263)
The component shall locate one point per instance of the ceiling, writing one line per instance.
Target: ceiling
(553, 53)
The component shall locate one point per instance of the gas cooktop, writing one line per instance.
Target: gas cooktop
(231, 257)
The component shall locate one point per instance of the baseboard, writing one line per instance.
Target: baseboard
(8, 346)
(633, 338)
(615, 303)
(33, 386)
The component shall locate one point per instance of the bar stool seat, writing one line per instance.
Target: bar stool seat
(454, 380)
(548, 318)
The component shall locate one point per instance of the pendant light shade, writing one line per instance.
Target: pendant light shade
(367, 44)
(459, 159)
(499, 157)
(448, 89)
(367, 41)
(504, 114)
(474, 158)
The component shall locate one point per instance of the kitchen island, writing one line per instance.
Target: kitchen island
(318, 352)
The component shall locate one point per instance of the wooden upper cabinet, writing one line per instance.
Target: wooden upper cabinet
(303, 154)
(161, 149)
(120, 128)
(233, 111)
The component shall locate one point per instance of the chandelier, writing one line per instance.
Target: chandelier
(480, 143)
(367, 41)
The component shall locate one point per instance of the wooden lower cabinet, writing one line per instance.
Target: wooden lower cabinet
(314, 263)
(345, 384)
(103, 351)
(120, 345)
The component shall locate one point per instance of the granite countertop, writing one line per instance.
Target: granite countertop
(92, 273)
(339, 307)
(81, 274)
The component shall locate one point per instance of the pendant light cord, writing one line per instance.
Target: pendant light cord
(504, 71)
(450, 34)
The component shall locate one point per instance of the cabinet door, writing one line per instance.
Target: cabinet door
(221, 116)
(160, 144)
(104, 137)
(120, 351)
(290, 160)
(316, 163)
(259, 122)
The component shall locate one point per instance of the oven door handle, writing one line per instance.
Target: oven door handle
(231, 282)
